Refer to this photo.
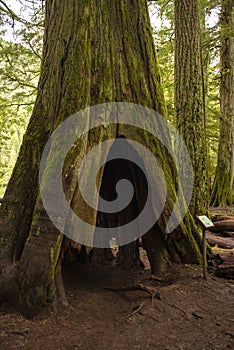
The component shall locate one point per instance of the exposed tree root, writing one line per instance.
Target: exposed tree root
(150, 290)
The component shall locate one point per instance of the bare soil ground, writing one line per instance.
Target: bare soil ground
(193, 313)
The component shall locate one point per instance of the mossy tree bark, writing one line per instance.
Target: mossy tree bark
(94, 52)
(223, 187)
(189, 101)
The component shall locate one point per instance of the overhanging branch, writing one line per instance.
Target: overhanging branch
(7, 10)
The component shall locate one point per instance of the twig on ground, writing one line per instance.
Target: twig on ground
(18, 331)
(179, 308)
(137, 310)
(152, 317)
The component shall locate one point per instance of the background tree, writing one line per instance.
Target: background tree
(223, 187)
(89, 57)
(162, 13)
(189, 98)
(210, 43)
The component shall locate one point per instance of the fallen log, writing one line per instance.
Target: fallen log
(227, 233)
(222, 242)
(224, 264)
(224, 225)
(223, 217)
(222, 210)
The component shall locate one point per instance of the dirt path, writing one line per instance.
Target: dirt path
(192, 314)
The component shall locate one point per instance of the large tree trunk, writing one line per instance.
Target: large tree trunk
(94, 52)
(189, 101)
(223, 187)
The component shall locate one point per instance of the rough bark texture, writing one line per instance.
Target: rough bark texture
(224, 225)
(221, 242)
(94, 52)
(223, 263)
(189, 101)
(223, 187)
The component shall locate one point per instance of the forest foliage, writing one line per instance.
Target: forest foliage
(20, 57)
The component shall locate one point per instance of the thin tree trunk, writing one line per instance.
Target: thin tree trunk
(189, 102)
(223, 187)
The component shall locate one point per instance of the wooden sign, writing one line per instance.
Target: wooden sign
(205, 221)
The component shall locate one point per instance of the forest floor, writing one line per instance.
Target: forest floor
(188, 312)
(193, 313)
